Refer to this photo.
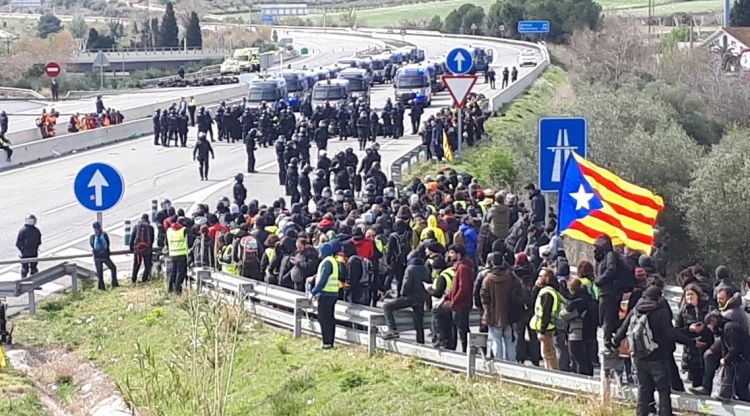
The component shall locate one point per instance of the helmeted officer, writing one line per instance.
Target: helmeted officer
(250, 138)
(292, 180)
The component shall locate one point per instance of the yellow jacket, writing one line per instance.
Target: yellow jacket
(432, 224)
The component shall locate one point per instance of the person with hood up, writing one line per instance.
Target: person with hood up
(498, 216)
(470, 236)
(326, 290)
(502, 304)
(653, 369)
(580, 314)
(610, 289)
(432, 224)
(399, 245)
(412, 295)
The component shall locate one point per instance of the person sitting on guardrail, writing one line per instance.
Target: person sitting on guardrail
(100, 246)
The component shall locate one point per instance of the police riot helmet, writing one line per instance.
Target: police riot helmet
(294, 161)
(30, 220)
(340, 154)
(326, 193)
(370, 189)
(348, 194)
(239, 177)
(368, 150)
(165, 204)
(349, 149)
(201, 136)
(253, 132)
(389, 192)
(376, 146)
(339, 196)
(320, 173)
(281, 202)
(371, 181)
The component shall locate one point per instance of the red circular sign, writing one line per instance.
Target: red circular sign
(52, 69)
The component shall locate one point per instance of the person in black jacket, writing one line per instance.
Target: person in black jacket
(690, 322)
(653, 369)
(239, 191)
(538, 206)
(156, 119)
(735, 352)
(99, 242)
(202, 250)
(27, 242)
(610, 294)
(200, 152)
(205, 122)
(141, 245)
(580, 314)
(413, 295)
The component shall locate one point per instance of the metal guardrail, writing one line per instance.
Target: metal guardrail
(403, 165)
(206, 71)
(10, 92)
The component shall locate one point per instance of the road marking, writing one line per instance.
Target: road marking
(60, 208)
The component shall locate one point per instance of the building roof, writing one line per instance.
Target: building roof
(742, 34)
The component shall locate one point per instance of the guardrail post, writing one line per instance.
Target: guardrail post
(32, 302)
(74, 279)
(300, 304)
(372, 332)
(474, 342)
(604, 388)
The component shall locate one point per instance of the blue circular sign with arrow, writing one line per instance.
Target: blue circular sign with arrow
(98, 187)
(459, 61)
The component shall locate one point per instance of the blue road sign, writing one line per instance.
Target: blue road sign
(558, 137)
(459, 61)
(533, 26)
(98, 187)
(266, 19)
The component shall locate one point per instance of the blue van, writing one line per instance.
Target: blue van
(412, 82)
(359, 82)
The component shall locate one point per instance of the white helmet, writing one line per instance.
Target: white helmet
(30, 220)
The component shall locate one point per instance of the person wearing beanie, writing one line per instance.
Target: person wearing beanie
(652, 368)
(724, 280)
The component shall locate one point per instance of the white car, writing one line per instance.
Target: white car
(528, 58)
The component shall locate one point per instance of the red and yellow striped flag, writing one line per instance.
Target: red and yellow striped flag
(594, 201)
(447, 151)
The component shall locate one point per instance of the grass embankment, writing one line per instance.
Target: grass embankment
(17, 395)
(508, 157)
(274, 374)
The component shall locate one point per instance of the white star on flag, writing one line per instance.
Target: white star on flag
(582, 198)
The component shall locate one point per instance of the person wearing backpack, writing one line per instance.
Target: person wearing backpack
(580, 314)
(203, 249)
(141, 245)
(651, 337)
(360, 277)
(610, 293)
(399, 245)
(412, 295)
(248, 256)
(502, 305)
(99, 242)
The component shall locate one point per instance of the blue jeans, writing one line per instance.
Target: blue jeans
(503, 345)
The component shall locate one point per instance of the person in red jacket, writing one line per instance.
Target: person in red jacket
(365, 246)
(461, 295)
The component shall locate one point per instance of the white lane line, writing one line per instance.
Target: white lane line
(60, 208)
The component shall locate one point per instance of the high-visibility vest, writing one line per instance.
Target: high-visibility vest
(536, 320)
(228, 266)
(332, 285)
(448, 274)
(270, 254)
(193, 103)
(460, 204)
(379, 245)
(271, 229)
(177, 242)
(590, 287)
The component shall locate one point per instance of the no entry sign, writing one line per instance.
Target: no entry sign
(52, 69)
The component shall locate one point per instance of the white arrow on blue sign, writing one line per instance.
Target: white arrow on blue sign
(558, 138)
(459, 61)
(98, 187)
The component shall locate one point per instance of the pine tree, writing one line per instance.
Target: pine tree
(740, 14)
(193, 36)
(168, 30)
(48, 24)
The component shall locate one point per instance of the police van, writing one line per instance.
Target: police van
(266, 90)
(412, 82)
(333, 91)
(359, 82)
(297, 87)
(379, 63)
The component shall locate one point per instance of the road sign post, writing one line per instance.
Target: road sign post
(52, 69)
(558, 138)
(459, 86)
(100, 62)
(459, 61)
(98, 187)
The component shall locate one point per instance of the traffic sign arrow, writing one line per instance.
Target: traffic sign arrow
(459, 59)
(459, 86)
(98, 182)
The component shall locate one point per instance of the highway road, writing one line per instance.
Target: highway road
(46, 189)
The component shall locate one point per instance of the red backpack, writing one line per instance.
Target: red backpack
(142, 247)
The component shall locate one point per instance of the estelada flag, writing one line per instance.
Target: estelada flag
(594, 201)
(447, 151)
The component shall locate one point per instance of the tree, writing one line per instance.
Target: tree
(78, 27)
(473, 18)
(116, 29)
(96, 41)
(435, 24)
(716, 205)
(168, 31)
(48, 24)
(740, 14)
(507, 14)
(193, 36)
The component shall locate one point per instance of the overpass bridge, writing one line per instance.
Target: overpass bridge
(121, 60)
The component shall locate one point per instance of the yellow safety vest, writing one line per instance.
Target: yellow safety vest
(193, 102)
(270, 254)
(332, 285)
(379, 245)
(536, 320)
(228, 266)
(590, 287)
(177, 242)
(272, 229)
(448, 274)
(460, 204)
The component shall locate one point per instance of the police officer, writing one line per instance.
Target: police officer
(172, 127)
(387, 117)
(220, 120)
(204, 122)
(266, 128)
(27, 242)
(292, 180)
(247, 122)
(398, 121)
(321, 135)
(304, 184)
(279, 148)
(200, 153)
(374, 125)
(182, 127)
(163, 128)
(324, 163)
(350, 158)
(239, 191)
(342, 117)
(250, 149)
(287, 123)
(368, 160)
(416, 115)
(3, 122)
(303, 145)
(319, 183)
(156, 119)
